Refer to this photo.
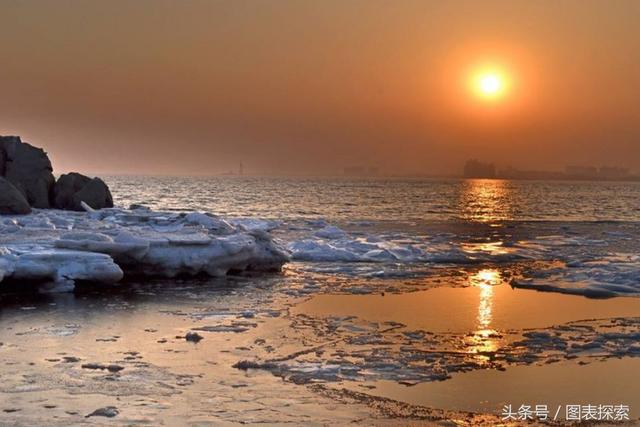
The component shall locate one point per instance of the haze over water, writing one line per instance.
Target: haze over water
(195, 87)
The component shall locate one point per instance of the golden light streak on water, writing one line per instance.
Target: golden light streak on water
(482, 340)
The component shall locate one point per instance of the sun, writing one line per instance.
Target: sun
(489, 84)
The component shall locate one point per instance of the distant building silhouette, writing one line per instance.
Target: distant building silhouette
(611, 172)
(513, 173)
(477, 169)
(591, 173)
(586, 172)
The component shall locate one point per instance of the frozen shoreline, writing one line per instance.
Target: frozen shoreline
(257, 331)
(58, 248)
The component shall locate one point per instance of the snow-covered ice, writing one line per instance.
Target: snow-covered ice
(57, 248)
(58, 270)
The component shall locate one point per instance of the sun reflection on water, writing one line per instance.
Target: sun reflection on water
(482, 340)
(490, 248)
(487, 200)
(486, 299)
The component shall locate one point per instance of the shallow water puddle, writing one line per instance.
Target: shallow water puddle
(484, 306)
(612, 382)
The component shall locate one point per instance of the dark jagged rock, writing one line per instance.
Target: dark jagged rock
(28, 168)
(66, 187)
(12, 202)
(96, 194)
(73, 188)
(245, 365)
(107, 411)
(100, 366)
(193, 337)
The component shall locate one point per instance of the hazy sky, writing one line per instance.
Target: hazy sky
(195, 87)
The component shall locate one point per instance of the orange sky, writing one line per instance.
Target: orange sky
(195, 87)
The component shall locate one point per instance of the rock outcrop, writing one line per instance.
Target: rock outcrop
(73, 188)
(12, 201)
(28, 168)
(54, 250)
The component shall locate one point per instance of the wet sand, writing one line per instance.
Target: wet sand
(147, 370)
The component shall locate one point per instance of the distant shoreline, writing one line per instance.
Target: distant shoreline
(377, 177)
(562, 178)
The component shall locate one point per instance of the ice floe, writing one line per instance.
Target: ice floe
(584, 262)
(608, 276)
(332, 244)
(55, 249)
(361, 350)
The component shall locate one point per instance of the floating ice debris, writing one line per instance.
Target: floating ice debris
(393, 249)
(609, 276)
(360, 350)
(236, 327)
(58, 248)
(592, 266)
(64, 330)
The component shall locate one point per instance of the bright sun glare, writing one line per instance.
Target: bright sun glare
(489, 85)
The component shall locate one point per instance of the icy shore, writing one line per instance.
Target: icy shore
(55, 249)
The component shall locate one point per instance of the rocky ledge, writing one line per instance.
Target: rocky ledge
(27, 181)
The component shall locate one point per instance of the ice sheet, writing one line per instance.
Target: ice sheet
(57, 248)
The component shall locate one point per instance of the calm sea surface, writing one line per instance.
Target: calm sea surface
(384, 199)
